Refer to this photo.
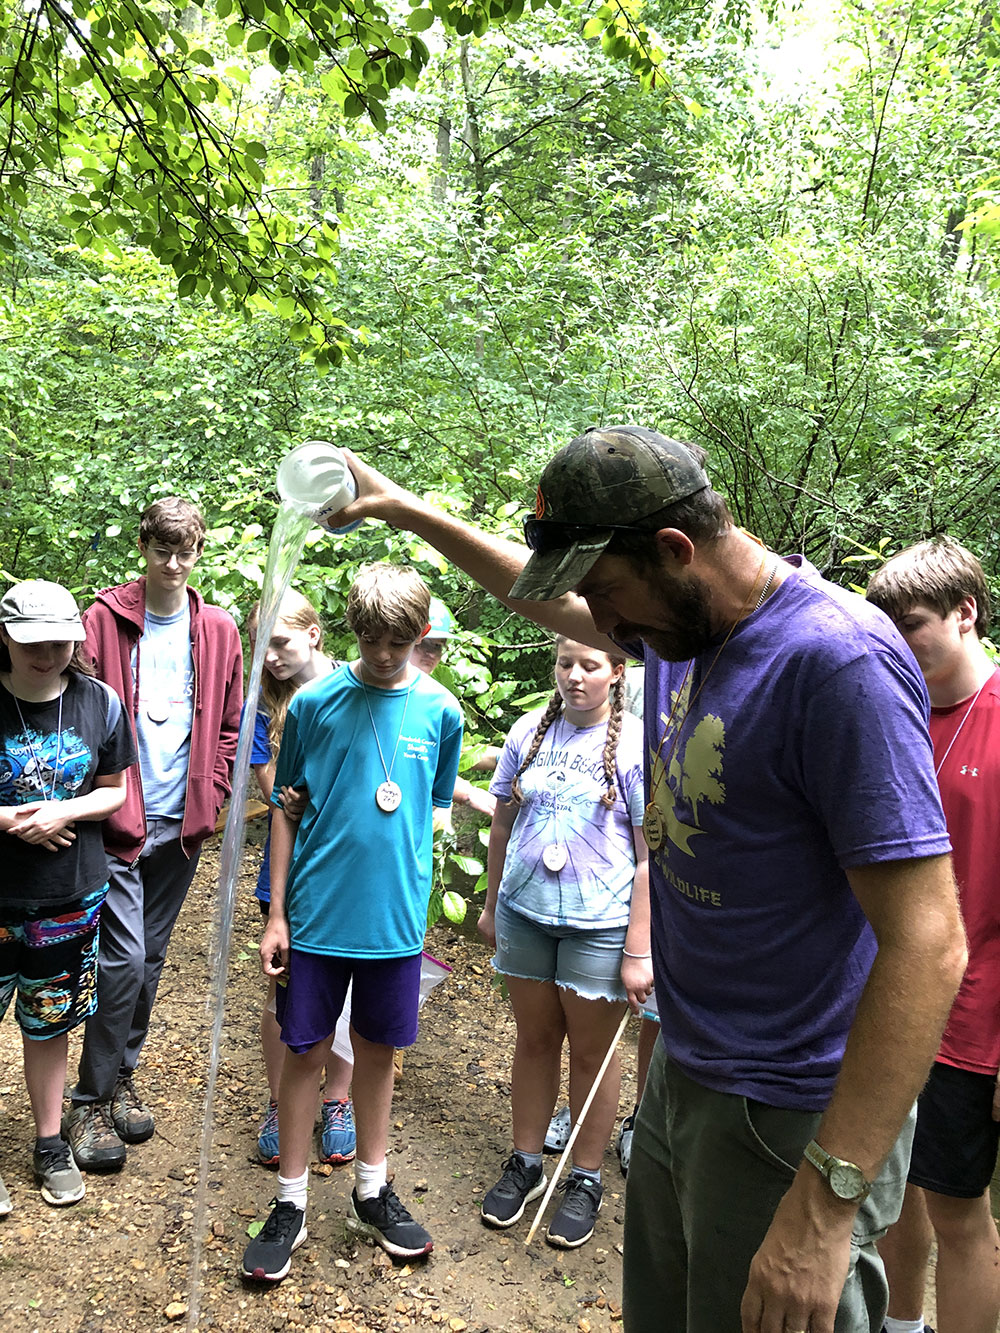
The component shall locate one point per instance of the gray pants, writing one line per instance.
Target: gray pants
(136, 920)
(707, 1172)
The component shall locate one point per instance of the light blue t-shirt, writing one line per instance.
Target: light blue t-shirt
(360, 878)
(164, 667)
(562, 789)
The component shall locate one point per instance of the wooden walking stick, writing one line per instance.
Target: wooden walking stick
(576, 1128)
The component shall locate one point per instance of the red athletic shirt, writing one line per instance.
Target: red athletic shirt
(969, 778)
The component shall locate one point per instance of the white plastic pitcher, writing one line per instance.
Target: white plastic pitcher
(316, 478)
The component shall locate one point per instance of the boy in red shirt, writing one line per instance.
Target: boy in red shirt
(937, 595)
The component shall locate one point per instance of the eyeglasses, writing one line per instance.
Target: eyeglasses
(543, 535)
(162, 555)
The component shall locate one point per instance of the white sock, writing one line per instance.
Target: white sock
(368, 1180)
(904, 1325)
(294, 1190)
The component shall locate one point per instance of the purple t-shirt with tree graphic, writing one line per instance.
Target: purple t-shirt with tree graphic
(797, 752)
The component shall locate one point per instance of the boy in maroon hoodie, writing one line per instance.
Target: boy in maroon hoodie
(177, 665)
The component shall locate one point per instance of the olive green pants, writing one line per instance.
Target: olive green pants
(707, 1172)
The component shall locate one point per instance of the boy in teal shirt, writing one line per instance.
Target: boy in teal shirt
(376, 744)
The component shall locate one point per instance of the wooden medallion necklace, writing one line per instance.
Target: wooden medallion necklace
(653, 823)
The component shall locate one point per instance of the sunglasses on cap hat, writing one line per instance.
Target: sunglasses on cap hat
(542, 535)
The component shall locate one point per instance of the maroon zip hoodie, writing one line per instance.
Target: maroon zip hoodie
(114, 625)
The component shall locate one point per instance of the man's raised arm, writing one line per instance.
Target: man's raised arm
(492, 561)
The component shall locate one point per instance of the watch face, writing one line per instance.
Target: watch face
(846, 1181)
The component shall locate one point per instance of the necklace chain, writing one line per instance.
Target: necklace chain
(767, 586)
(655, 785)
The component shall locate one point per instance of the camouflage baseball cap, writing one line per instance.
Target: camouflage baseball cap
(606, 479)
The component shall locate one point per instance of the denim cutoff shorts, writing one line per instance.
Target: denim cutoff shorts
(585, 961)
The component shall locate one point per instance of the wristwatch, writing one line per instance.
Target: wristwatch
(845, 1179)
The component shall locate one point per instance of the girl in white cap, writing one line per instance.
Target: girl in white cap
(64, 748)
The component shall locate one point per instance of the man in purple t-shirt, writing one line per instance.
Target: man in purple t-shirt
(806, 938)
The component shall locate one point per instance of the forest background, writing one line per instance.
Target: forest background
(453, 233)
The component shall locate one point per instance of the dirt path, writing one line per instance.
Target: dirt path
(120, 1259)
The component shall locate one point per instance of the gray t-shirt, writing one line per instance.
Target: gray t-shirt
(562, 806)
(163, 678)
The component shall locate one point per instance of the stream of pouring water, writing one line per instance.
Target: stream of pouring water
(287, 539)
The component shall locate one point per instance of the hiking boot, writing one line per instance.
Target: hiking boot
(625, 1142)
(557, 1134)
(133, 1120)
(5, 1203)
(267, 1137)
(57, 1175)
(574, 1220)
(519, 1184)
(268, 1257)
(91, 1135)
(337, 1142)
(385, 1221)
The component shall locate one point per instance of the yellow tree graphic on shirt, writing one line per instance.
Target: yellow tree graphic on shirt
(695, 777)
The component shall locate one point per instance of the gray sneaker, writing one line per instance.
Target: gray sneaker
(5, 1203)
(57, 1175)
(133, 1120)
(91, 1135)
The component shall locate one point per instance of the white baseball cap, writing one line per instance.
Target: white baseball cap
(37, 611)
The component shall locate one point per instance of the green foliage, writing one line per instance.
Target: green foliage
(798, 274)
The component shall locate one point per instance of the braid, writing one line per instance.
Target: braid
(611, 739)
(544, 722)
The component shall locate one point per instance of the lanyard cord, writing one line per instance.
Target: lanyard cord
(31, 749)
(958, 729)
(402, 720)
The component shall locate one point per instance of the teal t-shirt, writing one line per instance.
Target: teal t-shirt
(360, 878)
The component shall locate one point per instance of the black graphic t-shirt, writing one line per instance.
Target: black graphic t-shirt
(94, 740)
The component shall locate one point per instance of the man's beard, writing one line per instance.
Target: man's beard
(684, 605)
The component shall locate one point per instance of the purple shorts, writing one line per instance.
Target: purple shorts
(384, 1003)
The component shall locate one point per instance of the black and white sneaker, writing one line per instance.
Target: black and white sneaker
(625, 1142)
(385, 1221)
(268, 1257)
(574, 1221)
(558, 1132)
(519, 1184)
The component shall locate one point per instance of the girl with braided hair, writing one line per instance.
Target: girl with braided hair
(567, 910)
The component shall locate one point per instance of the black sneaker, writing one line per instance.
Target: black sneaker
(519, 1184)
(574, 1221)
(268, 1257)
(385, 1221)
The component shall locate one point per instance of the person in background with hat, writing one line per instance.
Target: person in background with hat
(806, 937)
(65, 746)
(427, 657)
